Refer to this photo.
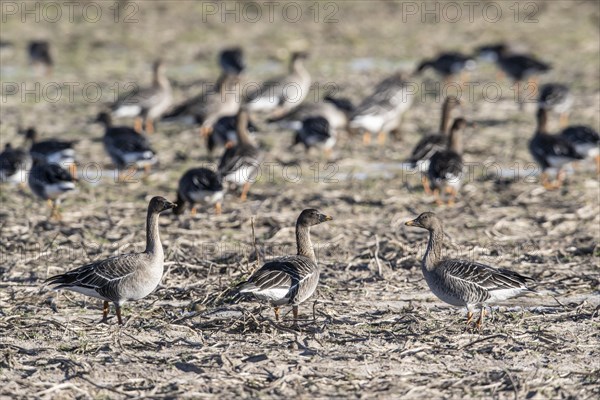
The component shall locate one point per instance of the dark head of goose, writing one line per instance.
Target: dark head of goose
(427, 220)
(159, 204)
(310, 217)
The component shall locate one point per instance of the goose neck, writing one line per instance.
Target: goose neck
(433, 254)
(303, 242)
(153, 244)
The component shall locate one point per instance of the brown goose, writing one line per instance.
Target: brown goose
(290, 279)
(123, 278)
(464, 283)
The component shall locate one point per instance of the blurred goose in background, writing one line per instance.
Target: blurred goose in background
(449, 65)
(146, 104)
(205, 109)
(464, 283)
(585, 141)
(240, 164)
(557, 98)
(445, 171)
(199, 186)
(316, 132)
(125, 146)
(381, 112)
(335, 110)
(40, 57)
(551, 152)
(518, 67)
(123, 278)
(224, 133)
(279, 96)
(290, 279)
(14, 165)
(431, 144)
(52, 151)
(50, 182)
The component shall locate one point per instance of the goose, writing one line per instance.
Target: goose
(14, 165)
(231, 61)
(431, 144)
(50, 182)
(52, 151)
(551, 152)
(519, 67)
(289, 279)
(448, 65)
(316, 132)
(585, 141)
(464, 283)
(445, 172)
(382, 110)
(224, 133)
(240, 164)
(40, 57)
(280, 95)
(147, 104)
(123, 278)
(199, 185)
(125, 146)
(557, 98)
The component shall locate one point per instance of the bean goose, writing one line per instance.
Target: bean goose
(316, 132)
(431, 144)
(240, 164)
(551, 152)
(199, 185)
(445, 171)
(519, 67)
(40, 57)
(224, 133)
(289, 279)
(125, 146)
(50, 182)
(52, 151)
(280, 95)
(122, 278)
(448, 65)
(14, 165)
(464, 283)
(556, 98)
(382, 111)
(585, 141)
(146, 104)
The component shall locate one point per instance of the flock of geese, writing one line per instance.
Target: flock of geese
(222, 114)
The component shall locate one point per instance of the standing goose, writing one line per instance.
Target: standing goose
(448, 65)
(224, 133)
(52, 151)
(199, 185)
(382, 111)
(289, 279)
(125, 146)
(519, 67)
(556, 98)
(316, 132)
(551, 152)
(123, 278)
(445, 171)
(147, 104)
(240, 164)
(50, 182)
(585, 141)
(431, 144)
(280, 95)
(464, 283)
(14, 165)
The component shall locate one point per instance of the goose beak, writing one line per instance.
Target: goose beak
(326, 218)
(412, 222)
(170, 205)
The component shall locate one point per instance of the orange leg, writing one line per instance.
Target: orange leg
(546, 182)
(469, 317)
(245, 190)
(105, 309)
(73, 170)
(425, 183)
(381, 136)
(149, 126)
(276, 309)
(452, 192)
(137, 124)
(366, 138)
(480, 319)
(598, 165)
(218, 208)
(564, 120)
(205, 131)
(436, 195)
(193, 211)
